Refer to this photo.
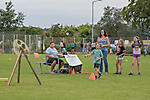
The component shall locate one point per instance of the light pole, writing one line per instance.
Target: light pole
(93, 16)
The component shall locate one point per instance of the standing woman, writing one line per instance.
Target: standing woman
(104, 41)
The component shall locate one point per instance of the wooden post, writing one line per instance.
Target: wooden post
(18, 81)
(12, 74)
(18, 61)
(31, 67)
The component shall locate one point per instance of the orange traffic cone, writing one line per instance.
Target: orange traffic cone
(73, 72)
(92, 77)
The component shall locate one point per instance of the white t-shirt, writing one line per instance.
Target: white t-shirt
(136, 48)
(61, 44)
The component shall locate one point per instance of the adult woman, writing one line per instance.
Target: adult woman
(104, 41)
(52, 57)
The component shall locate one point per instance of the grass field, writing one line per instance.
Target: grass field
(76, 87)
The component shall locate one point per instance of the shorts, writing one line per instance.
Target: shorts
(136, 55)
(96, 65)
(120, 58)
(65, 53)
(52, 60)
(93, 48)
(72, 47)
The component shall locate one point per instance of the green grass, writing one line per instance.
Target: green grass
(76, 87)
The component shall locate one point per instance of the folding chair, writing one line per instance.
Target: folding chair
(38, 61)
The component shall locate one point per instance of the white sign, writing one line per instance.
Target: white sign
(73, 60)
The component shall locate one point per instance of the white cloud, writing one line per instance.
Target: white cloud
(44, 13)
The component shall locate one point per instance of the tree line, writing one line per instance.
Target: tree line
(131, 20)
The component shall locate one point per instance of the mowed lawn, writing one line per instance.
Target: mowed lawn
(76, 87)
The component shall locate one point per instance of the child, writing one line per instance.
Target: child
(98, 55)
(93, 45)
(61, 45)
(89, 46)
(64, 51)
(73, 46)
(136, 54)
(145, 50)
(120, 53)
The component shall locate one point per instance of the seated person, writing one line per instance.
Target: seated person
(52, 57)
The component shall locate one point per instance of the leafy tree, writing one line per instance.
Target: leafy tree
(137, 13)
(72, 30)
(85, 31)
(113, 23)
(31, 30)
(9, 19)
(55, 30)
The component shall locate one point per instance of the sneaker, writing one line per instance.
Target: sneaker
(116, 73)
(130, 74)
(139, 73)
(106, 73)
(96, 77)
(119, 73)
(100, 74)
(52, 72)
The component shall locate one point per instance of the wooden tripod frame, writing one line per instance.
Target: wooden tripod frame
(18, 61)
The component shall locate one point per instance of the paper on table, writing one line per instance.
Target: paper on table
(73, 60)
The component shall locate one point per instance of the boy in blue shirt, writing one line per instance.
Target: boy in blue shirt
(98, 55)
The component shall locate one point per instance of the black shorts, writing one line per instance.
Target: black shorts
(52, 60)
(93, 48)
(72, 47)
(65, 53)
(96, 65)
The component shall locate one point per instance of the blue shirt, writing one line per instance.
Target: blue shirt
(103, 42)
(97, 54)
(52, 52)
(72, 44)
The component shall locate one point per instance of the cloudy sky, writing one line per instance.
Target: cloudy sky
(44, 13)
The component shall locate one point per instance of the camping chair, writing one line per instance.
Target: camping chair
(38, 61)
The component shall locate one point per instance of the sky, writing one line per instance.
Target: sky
(45, 13)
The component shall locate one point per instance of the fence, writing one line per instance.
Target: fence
(38, 43)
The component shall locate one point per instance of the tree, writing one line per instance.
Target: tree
(9, 19)
(85, 31)
(31, 30)
(55, 30)
(137, 13)
(113, 23)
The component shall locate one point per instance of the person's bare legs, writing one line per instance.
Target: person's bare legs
(120, 61)
(138, 63)
(117, 62)
(52, 66)
(96, 71)
(133, 63)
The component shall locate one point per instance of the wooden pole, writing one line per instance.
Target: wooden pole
(18, 81)
(31, 67)
(12, 74)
